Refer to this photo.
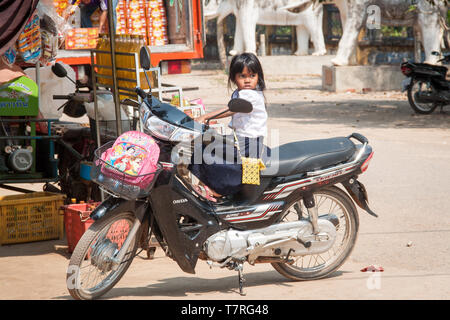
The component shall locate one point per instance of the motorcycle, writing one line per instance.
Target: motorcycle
(426, 85)
(74, 105)
(297, 219)
(76, 147)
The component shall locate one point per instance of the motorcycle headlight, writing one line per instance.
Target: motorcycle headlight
(167, 131)
(160, 128)
(182, 134)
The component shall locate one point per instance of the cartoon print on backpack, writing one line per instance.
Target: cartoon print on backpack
(135, 154)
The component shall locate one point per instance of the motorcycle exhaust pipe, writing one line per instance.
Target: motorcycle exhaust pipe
(427, 98)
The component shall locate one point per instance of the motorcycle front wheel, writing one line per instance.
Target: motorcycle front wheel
(91, 272)
(416, 87)
(330, 201)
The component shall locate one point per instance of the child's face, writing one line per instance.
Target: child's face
(246, 79)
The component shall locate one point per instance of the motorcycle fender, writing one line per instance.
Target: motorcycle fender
(359, 194)
(406, 83)
(114, 205)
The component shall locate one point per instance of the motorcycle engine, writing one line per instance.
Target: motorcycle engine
(224, 244)
(16, 158)
(13, 155)
(287, 238)
(20, 160)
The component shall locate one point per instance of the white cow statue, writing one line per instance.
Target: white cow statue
(426, 18)
(249, 13)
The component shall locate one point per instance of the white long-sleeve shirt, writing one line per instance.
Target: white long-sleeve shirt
(253, 124)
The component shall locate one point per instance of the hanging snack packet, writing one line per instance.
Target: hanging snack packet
(9, 57)
(29, 42)
(49, 47)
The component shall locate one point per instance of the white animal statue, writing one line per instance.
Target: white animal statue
(426, 18)
(249, 13)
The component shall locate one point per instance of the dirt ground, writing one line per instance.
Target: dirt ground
(408, 183)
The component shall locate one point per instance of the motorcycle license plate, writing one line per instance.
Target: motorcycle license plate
(405, 84)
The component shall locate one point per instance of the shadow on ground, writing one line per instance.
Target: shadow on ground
(35, 248)
(181, 286)
(358, 113)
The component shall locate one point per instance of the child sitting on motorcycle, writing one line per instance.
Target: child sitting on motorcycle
(225, 178)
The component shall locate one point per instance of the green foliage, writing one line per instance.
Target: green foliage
(283, 30)
(393, 31)
(412, 8)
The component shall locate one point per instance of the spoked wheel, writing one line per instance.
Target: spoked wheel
(331, 202)
(91, 272)
(424, 88)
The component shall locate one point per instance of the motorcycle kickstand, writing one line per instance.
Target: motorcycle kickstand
(239, 268)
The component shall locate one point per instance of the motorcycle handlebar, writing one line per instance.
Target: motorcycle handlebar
(78, 96)
(61, 97)
(141, 93)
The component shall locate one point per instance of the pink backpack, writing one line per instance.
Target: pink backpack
(131, 159)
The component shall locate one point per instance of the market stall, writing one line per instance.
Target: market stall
(173, 30)
(23, 128)
(31, 81)
(101, 71)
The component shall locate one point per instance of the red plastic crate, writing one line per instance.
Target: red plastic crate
(77, 221)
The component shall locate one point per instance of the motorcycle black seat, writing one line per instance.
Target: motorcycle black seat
(426, 68)
(298, 157)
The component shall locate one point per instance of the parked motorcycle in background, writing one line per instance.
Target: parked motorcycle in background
(426, 85)
(76, 147)
(297, 219)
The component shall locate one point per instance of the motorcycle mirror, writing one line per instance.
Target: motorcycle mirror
(59, 70)
(240, 105)
(144, 58)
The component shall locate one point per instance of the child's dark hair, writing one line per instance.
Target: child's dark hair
(252, 63)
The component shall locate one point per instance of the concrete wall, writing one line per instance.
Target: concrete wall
(374, 78)
(294, 65)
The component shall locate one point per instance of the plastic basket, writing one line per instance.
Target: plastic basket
(31, 217)
(114, 181)
(77, 221)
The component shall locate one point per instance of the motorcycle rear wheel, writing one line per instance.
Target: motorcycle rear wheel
(91, 257)
(419, 107)
(330, 200)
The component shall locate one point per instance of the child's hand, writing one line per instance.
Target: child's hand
(201, 119)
